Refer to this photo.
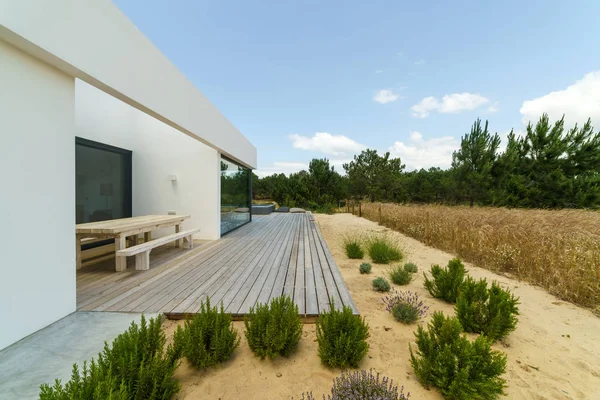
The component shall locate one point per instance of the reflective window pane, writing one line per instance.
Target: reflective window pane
(235, 195)
(102, 190)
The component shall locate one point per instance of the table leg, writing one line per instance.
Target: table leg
(78, 252)
(147, 237)
(179, 242)
(121, 262)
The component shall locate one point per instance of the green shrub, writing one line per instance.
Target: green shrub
(382, 251)
(135, 367)
(273, 328)
(461, 369)
(380, 284)
(342, 337)
(400, 276)
(365, 268)
(353, 247)
(208, 338)
(411, 267)
(446, 281)
(491, 312)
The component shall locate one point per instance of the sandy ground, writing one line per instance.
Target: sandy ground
(553, 354)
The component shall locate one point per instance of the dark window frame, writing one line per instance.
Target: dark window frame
(223, 157)
(128, 183)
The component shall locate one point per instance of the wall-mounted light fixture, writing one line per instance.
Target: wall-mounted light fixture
(173, 178)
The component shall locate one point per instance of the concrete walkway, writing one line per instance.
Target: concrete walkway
(51, 352)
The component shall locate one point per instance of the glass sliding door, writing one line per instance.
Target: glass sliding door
(103, 181)
(235, 195)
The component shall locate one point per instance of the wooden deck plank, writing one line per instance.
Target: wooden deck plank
(275, 254)
(283, 267)
(249, 253)
(337, 275)
(248, 293)
(299, 285)
(270, 271)
(290, 278)
(179, 287)
(312, 305)
(330, 284)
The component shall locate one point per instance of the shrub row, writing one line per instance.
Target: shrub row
(138, 366)
(381, 249)
(491, 311)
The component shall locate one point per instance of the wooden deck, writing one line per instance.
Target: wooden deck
(273, 255)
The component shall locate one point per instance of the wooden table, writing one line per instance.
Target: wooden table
(121, 229)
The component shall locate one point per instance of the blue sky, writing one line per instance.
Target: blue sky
(305, 79)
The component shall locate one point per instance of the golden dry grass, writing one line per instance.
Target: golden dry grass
(558, 250)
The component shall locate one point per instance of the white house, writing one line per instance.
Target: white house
(96, 123)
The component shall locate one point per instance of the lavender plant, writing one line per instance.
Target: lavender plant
(406, 307)
(365, 268)
(363, 385)
(360, 385)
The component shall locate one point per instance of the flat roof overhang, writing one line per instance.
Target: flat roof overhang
(94, 41)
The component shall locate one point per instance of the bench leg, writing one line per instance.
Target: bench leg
(147, 237)
(188, 243)
(134, 240)
(178, 242)
(78, 252)
(121, 262)
(142, 261)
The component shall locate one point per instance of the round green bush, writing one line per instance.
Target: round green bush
(405, 313)
(411, 267)
(382, 251)
(380, 284)
(400, 276)
(354, 250)
(342, 337)
(273, 328)
(365, 268)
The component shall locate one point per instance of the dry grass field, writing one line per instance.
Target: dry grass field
(557, 250)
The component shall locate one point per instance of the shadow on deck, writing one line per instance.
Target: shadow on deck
(273, 255)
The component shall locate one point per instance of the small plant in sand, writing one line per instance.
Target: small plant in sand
(446, 281)
(342, 337)
(353, 247)
(382, 250)
(460, 369)
(136, 366)
(273, 328)
(490, 311)
(406, 307)
(365, 268)
(362, 385)
(380, 284)
(400, 276)
(411, 267)
(208, 338)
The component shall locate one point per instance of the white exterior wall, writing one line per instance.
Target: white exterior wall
(37, 160)
(94, 41)
(158, 151)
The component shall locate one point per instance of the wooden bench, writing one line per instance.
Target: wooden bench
(142, 251)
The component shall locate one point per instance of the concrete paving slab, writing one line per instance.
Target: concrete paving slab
(51, 352)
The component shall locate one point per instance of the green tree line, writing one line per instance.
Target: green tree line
(548, 166)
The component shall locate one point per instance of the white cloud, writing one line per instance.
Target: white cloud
(281, 168)
(326, 143)
(420, 62)
(577, 102)
(493, 108)
(385, 96)
(419, 153)
(450, 104)
(378, 71)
